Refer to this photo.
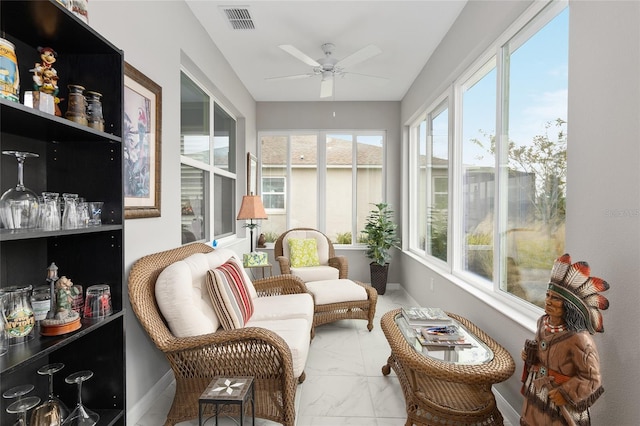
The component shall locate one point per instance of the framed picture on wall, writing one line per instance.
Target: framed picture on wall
(252, 174)
(142, 124)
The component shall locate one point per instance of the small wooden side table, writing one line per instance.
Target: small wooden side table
(266, 265)
(236, 390)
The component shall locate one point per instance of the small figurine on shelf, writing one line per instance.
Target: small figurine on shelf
(65, 294)
(562, 367)
(63, 319)
(45, 77)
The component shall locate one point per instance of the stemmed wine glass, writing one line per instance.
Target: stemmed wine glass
(21, 405)
(80, 416)
(53, 403)
(19, 205)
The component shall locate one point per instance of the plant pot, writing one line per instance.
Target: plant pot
(379, 276)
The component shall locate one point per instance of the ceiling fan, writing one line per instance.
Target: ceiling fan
(328, 67)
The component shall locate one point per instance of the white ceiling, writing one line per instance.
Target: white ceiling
(407, 32)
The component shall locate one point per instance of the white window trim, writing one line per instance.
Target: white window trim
(210, 168)
(518, 309)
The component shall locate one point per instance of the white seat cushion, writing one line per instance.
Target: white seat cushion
(283, 307)
(336, 291)
(296, 332)
(316, 273)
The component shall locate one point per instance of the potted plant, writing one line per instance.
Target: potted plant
(379, 236)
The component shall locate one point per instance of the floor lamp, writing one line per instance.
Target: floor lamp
(251, 209)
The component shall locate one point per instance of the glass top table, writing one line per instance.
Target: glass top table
(476, 352)
(447, 385)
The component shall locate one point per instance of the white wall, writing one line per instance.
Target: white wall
(603, 203)
(157, 36)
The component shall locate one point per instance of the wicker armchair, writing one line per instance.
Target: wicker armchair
(250, 351)
(338, 308)
(281, 252)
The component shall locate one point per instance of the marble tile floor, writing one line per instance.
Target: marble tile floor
(344, 383)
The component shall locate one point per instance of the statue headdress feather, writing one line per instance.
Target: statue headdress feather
(575, 285)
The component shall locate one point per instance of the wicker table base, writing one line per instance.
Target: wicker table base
(442, 393)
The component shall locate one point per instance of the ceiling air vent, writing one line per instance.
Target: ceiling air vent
(238, 17)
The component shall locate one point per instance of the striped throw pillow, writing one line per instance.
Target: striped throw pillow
(229, 295)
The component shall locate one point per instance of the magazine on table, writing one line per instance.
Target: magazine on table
(441, 332)
(418, 316)
(459, 342)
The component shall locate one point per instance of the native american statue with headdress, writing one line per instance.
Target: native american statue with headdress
(562, 367)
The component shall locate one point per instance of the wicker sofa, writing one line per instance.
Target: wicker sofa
(262, 348)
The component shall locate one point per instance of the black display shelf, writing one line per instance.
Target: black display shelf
(39, 347)
(27, 122)
(28, 234)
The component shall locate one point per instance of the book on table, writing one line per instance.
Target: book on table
(455, 338)
(441, 332)
(418, 316)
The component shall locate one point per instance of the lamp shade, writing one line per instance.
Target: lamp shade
(251, 208)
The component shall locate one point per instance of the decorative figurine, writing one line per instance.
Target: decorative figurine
(45, 77)
(61, 318)
(562, 367)
(262, 241)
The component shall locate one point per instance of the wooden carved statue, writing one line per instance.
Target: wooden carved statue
(561, 379)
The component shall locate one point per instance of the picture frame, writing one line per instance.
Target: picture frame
(252, 174)
(142, 145)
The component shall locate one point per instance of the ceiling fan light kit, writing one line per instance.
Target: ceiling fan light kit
(328, 66)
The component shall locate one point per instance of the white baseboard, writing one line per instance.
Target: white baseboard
(140, 408)
(510, 415)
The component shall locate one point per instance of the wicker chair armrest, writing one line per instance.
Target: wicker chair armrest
(285, 265)
(341, 264)
(265, 353)
(279, 284)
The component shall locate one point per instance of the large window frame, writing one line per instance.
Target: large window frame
(217, 170)
(320, 215)
(534, 19)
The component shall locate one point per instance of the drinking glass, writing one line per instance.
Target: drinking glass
(19, 206)
(53, 408)
(70, 213)
(21, 405)
(95, 213)
(50, 211)
(80, 416)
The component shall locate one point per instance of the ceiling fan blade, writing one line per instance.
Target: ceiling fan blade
(359, 56)
(365, 75)
(299, 55)
(291, 77)
(326, 87)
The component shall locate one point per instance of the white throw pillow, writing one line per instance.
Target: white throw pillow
(186, 308)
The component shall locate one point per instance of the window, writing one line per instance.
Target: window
(431, 186)
(478, 170)
(508, 179)
(207, 164)
(326, 181)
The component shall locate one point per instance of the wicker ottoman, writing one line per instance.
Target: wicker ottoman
(342, 299)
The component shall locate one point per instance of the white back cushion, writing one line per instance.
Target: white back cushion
(322, 243)
(182, 295)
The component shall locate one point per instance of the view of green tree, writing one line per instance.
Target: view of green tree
(546, 159)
